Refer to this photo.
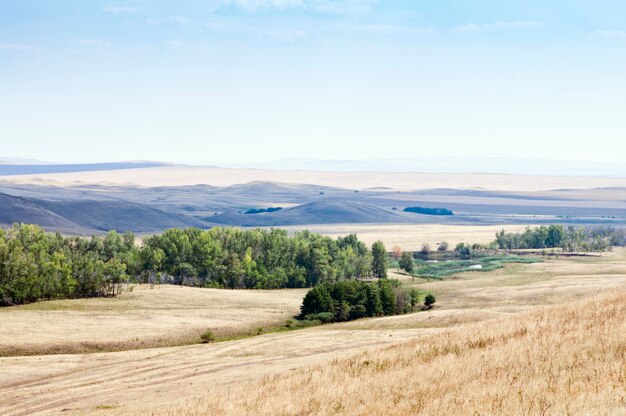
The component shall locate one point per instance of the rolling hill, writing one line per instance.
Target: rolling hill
(327, 211)
(15, 209)
(87, 216)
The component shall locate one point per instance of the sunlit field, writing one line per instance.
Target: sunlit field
(477, 315)
(164, 315)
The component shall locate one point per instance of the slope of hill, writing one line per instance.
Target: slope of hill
(319, 212)
(14, 209)
(566, 359)
(119, 215)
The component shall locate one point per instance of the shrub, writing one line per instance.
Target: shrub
(324, 317)
(207, 337)
(443, 246)
(464, 251)
(429, 300)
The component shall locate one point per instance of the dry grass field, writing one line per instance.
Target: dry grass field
(188, 175)
(145, 317)
(521, 340)
(413, 236)
(563, 360)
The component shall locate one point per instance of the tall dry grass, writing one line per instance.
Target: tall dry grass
(561, 360)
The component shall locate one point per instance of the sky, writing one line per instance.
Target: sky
(243, 81)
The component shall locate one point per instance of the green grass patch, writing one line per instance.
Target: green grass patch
(445, 268)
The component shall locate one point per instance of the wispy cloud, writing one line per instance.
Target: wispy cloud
(15, 47)
(383, 28)
(94, 43)
(283, 35)
(289, 35)
(170, 20)
(499, 25)
(321, 6)
(173, 44)
(609, 34)
(119, 10)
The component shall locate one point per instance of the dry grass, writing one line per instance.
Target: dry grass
(180, 175)
(556, 361)
(474, 309)
(163, 316)
(413, 236)
(478, 308)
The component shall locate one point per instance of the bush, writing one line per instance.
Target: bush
(207, 337)
(429, 300)
(324, 317)
(464, 251)
(443, 246)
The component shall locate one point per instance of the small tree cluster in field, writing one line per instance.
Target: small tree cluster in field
(428, 211)
(443, 246)
(353, 299)
(568, 239)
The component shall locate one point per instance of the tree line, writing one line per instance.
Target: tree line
(572, 239)
(35, 265)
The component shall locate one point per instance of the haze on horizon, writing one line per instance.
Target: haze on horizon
(244, 82)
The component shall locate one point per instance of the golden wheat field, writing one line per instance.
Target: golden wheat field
(544, 338)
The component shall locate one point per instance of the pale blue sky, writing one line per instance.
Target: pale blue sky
(236, 81)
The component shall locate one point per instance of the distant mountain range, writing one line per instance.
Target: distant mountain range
(500, 165)
(30, 168)
(504, 165)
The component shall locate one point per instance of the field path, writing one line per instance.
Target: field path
(81, 384)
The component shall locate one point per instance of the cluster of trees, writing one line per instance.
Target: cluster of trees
(35, 265)
(262, 210)
(234, 258)
(569, 239)
(428, 211)
(353, 299)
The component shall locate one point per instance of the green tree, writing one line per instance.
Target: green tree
(379, 260)
(387, 297)
(406, 262)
